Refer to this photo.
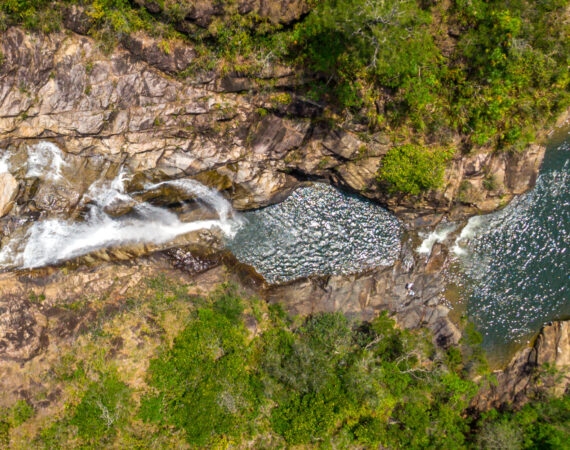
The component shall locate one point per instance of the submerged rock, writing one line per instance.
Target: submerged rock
(119, 206)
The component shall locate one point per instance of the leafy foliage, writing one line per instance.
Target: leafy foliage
(413, 169)
(102, 409)
(493, 71)
(539, 424)
(204, 383)
(321, 381)
(499, 76)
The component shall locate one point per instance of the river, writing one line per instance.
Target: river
(512, 267)
(515, 267)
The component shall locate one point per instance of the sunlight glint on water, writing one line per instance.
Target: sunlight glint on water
(317, 230)
(517, 261)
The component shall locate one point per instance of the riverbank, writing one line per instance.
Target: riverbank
(111, 155)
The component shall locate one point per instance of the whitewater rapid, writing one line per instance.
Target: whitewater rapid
(52, 241)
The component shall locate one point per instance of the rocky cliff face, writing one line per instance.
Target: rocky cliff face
(228, 131)
(204, 12)
(410, 290)
(543, 367)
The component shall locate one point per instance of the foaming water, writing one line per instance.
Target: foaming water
(229, 221)
(4, 164)
(45, 161)
(473, 225)
(516, 261)
(53, 241)
(439, 235)
(317, 230)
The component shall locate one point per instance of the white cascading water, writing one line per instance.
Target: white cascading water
(438, 235)
(468, 231)
(4, 164)
(45, 161)
(54, 240)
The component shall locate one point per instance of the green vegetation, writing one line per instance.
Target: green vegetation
(321, 381)
(102, 408)
(413, 169)
(203, 383)
(492, 71)
(486, 73)
(541, 425)
(13, 417)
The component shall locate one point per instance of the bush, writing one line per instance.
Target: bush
(321, 381)
(21, 412)
(103, 408)
(540, 424)
(413, 169)
(204, 384)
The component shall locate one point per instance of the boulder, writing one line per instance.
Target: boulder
(8, 192)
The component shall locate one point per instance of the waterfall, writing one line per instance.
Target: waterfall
(439, 235)
(45, 161)
(53, 241)
(4, 164)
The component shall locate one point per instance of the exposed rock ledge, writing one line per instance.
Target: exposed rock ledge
(42, 309)
(410, 291)
(61, 87)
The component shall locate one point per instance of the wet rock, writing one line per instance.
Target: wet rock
(406, 291)
(527, 374)
(8, 192)
(119, 206)
(190, 261)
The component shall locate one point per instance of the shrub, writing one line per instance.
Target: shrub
(102, 409)
(540, 424)
(413, 169)
(204, 384)
(21, 412)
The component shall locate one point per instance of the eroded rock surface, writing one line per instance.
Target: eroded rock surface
(8, 192)
(22, 329)
(204, 12)
(412, 294)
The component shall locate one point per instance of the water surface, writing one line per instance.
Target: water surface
(516, 262)
(317, 230)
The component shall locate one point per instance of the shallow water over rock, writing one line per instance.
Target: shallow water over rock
(317, 230)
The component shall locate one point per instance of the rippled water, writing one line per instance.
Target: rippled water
(317, 230)
(517, 261)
